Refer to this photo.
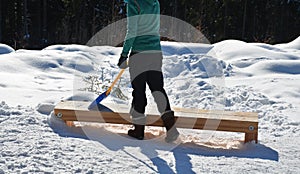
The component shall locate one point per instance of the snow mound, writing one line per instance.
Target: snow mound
(45, 108)
(249, 59)
(67, 48)
(171, 48)
(235, 51)
(48, 61)
(275, 67)
(199, 66)
(5, 49)
(5, 110)
(295, 44)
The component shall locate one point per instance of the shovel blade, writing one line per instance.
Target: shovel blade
(97, 101)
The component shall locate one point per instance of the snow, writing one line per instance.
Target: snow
(5, 49)
(229, 75)
(294, 45)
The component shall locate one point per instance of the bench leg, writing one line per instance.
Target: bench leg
(70, 123)
(251, 137)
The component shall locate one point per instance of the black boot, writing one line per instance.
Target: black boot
(137, 132)
(169, 122)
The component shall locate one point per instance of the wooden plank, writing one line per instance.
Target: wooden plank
(118, 114)
(180, 112)
(216, 112)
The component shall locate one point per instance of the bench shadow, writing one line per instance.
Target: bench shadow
(150, 147)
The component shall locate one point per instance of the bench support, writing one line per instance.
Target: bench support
(70, 123)
(249, 137)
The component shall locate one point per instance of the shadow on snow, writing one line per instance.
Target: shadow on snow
(149, 148)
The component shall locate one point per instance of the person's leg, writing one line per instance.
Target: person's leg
(138, 105)
(156, 84)
(169, 121)
(139, 101)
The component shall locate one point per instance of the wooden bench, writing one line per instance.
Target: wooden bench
(245, 122)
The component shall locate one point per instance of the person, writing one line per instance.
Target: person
(145, 66)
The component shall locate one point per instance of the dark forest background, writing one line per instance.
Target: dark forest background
(34, 24)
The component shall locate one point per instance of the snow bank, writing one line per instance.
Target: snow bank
(275, 67)
(171, 48)
(199, 66)
(249, 59)
(5, 49)
(294, 45)
(243, 54)
(67, 48)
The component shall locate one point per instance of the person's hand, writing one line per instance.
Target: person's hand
(123, 62)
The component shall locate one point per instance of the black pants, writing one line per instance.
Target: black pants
(145, 68)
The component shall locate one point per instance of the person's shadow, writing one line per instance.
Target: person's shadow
(150, 147)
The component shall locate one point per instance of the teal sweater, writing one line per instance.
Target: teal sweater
(143, 24)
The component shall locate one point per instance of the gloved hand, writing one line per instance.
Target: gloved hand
(123, 62)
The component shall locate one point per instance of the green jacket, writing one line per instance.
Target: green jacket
(143, 24)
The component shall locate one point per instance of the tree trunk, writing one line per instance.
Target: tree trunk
(44, 35)
(175, 9)
(244, 19)
(113, 11)
(225, 18)
(1, 21)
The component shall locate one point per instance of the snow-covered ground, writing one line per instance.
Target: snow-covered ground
(230, 75)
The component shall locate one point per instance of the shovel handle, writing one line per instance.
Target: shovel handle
(115, 81)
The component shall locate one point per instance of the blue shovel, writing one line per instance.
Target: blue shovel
(102, 96)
